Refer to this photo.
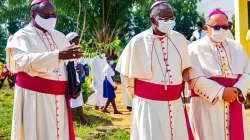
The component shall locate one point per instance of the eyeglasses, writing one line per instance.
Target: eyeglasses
(165, 19)
(47, 16)
(217, 28)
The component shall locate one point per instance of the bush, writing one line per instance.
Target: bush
(86, 90)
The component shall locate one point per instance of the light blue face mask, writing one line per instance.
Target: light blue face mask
(196, 28)
(111, 62)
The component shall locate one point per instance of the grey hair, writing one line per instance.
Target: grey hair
(157, 9)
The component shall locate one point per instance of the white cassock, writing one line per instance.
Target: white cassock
(158, 114)
(214, 67)
(40, 107)
(96, 98)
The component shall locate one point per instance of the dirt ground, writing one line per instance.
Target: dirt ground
(123, 120)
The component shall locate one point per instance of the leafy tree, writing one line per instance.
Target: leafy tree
(184, 11)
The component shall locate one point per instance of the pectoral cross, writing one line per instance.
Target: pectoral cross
(165, 83)
(224, 68)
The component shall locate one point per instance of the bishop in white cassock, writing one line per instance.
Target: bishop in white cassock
(36, 53)
(152, 65)
(219, 80)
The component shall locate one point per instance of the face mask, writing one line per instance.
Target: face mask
(196, 28)
(47, 24)
(111, 62)
(166, 26)
(219, 36)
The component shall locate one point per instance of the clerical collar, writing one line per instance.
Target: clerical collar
(157, 36)
(39, 30)
(213, 43)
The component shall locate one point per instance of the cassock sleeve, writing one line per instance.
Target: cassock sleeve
(128, 84)
(20, 57)
(244, 79)
(202, 86)
(186, 63)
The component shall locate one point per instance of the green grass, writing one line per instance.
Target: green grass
(97, 119)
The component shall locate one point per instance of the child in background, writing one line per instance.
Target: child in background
(109, 87)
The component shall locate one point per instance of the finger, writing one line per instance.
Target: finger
(74, 48)
(72, 45)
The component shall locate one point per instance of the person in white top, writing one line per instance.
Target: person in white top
(219, 79)
(77, 103)
(152, 65)
(109, 86)
(199, 33)
(37, 53)
(96, 99)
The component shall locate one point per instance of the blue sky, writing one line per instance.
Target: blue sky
(208, 5)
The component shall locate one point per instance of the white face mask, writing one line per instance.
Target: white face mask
(166, 26)
(47, 24)
(219, 36)
(111, 62)
(196, 28)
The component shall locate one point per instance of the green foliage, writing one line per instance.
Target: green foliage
(233, 25)
(86, 90)
(6, 105)
(184, 11)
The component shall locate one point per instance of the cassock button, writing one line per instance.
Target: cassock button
(57, 128)
(208, 97)
(204, 94)
(170, 76)
(221, 51)
(169, 104)
(226, 113)
(163, 48)
(57, 121)
(226, 120)
(171, 82)
(226, 106)
(57, 108)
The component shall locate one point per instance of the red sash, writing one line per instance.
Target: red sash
(156, 92)
(236, 126)
(47, 86)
